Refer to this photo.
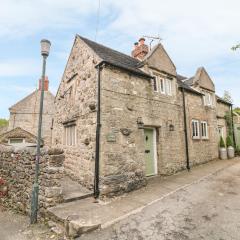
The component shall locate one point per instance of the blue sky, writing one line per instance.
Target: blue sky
(195, 33)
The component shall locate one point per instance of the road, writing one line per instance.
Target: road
(208, 210)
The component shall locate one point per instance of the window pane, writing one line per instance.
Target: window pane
(155, 84)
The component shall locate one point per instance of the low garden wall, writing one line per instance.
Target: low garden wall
(17, 172)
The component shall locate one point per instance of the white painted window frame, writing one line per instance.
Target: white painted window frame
(206, 136)
(195, 125)
(70, 135)
(161, 81)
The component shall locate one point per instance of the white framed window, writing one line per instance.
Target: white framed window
(155, 84)
(195, 129)
(16, 140)
(162, 85)
(208, 99)
(204, 130)
(168, 87)
(70, 135)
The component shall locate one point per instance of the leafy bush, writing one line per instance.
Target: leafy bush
(229, 141)
(237, 150)
(222, 143)
(3, 122)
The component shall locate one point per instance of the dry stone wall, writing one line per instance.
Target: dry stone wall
(17, 169)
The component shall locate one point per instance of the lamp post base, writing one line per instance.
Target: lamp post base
(34, 203)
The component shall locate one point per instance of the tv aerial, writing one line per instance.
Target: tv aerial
(153, 38)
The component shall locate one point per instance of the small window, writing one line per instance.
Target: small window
(208, 99)
(155, 87)
(168, 87)
(195, 129)
(204, 130)
(15, 140)
(162, 85)
(70, 135)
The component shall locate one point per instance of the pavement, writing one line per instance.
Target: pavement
(15, 226)
(207, 209)
(86, 215)
(195, 205)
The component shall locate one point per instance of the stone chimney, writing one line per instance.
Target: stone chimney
(140, 49)
(46, 84)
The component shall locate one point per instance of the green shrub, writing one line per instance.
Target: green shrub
(229, 141)
(237, 150)
(222, 143)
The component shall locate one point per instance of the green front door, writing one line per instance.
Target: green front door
(149, 151)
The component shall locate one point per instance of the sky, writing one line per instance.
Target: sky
(194, 33)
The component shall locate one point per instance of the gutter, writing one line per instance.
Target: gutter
(185, 130)
(98, 127)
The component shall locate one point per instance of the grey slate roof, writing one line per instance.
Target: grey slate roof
(115, 58)
(189, 81)
(182, 84)
(219, 99)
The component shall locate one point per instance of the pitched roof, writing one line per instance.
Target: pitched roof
(189, 81)
(219, 99)
(182, 84)
(115, 58)
(28, 98)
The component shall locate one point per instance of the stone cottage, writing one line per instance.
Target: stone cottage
(121, 119)
(25, 113)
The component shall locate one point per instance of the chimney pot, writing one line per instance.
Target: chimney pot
(46, 84)
(140, 49)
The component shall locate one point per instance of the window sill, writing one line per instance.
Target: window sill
(196, 138)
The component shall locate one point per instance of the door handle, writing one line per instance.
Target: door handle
(147, 151)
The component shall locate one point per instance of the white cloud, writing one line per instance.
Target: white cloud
(21, 18)
(18, 67)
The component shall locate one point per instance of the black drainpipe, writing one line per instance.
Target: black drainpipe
(185, 129)
(233, 134)
(97, 149)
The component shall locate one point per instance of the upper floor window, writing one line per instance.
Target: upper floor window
(162, 85)
(208, 99)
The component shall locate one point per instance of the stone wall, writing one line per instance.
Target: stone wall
(76, 102)
(201, 150)
(222, 109)
(124, 98)
(17, 168)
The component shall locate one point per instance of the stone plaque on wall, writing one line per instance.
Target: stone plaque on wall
(111, 137)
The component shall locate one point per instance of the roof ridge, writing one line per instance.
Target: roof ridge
(126, 55)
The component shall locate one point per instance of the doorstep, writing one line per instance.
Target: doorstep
(86, 215)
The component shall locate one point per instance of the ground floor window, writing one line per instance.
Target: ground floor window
(195, 129)
(70, 135)
(204, 130)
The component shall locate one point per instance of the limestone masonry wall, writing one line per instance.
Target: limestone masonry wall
(17, 168)
(76, 102)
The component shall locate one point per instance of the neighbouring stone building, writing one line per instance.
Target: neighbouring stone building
(25, 114)
(151, 121)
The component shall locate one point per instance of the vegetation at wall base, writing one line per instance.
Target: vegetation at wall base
(222, 143)
(229, 141)
(237, 150)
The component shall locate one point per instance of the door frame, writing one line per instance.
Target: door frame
(154, 150)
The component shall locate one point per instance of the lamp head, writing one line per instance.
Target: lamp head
(45, 47)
